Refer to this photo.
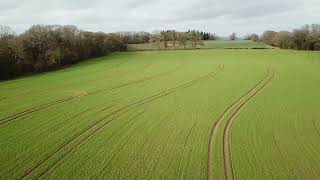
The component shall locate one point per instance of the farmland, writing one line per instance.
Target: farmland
(238, 44)
(184, 114)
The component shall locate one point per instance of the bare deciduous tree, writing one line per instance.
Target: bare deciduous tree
(195, 38)
(183, 39)
(233, 36)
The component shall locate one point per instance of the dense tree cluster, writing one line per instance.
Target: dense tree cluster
(45, 47)
(172, 38)
(304, 38)
(135, 37)
(208, 36)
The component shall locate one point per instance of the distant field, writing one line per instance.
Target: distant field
(220, 44)
(241, 44)
(209, 114)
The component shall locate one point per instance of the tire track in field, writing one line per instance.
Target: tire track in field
(278, 147)
(94, 127)
(101, 146)
(315, 127)
(184, 147)
(146, 66)
(160, 95)
(145, 142)
(31, 110)
(138, 81)
(217, 122)
(65, 143)
(121, 147)
(281, 154)
(228, 170)
(74, 116)
(47, 105)
(139, 152)
(52, 88)
(47, 173)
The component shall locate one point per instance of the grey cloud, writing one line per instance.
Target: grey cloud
(222, 16)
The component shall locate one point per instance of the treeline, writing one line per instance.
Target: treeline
(305, 38)
(46, 47)
(145, 37)
(135, 37)
(173, 39)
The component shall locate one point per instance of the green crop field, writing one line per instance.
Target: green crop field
(191, 114)
(238, 44)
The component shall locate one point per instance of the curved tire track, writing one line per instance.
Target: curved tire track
(228, 170)
(95, 127)
(47, 105)
(217, 122)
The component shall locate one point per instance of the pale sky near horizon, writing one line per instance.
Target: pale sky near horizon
(219, 16)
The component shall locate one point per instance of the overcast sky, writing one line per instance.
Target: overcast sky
(220, 16)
